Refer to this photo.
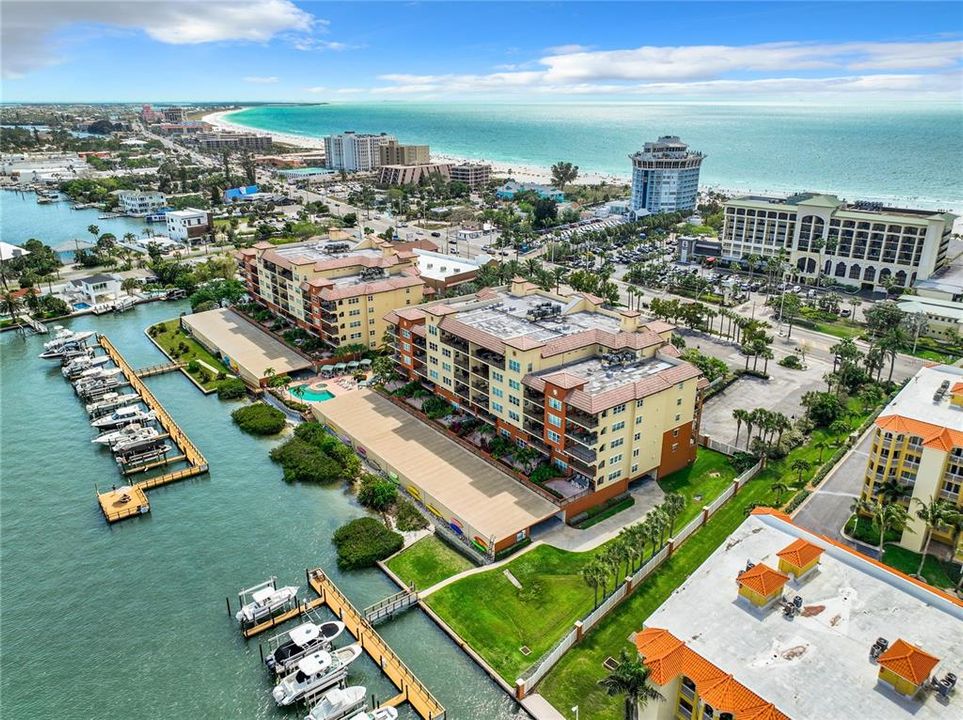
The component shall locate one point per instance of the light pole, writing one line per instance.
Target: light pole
(575, 710)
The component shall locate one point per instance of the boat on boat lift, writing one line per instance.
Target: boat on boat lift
(124, 416)
(147, 451)
(94, 389)
(134, 431)
(382, 713)
(302, 640)
(264, 602)
(111, 401)
(98, 373)
(339, 703)
(64, 340)
(317, 671)
(75, 367)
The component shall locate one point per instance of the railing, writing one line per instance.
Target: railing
(724, 448)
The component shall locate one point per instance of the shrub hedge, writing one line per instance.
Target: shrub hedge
(407, 517)
(362, 542)
(231, 389)
(259, 419)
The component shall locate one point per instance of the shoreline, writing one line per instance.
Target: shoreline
(542, 175)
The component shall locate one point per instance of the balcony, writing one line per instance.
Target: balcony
(579, 452)
(480, 400)
(462, 362)
(534, 396)
(454, 341)
(589, 439)
(420, 354)
(533, 426)
(461, 389)
(418, 341)
(480, 370)
(584, 419)
(480, 385)
(486, 356)
(460, 374)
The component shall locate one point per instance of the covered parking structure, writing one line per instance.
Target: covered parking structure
(248, 349)
(485, 506)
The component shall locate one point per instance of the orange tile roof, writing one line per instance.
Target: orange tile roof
(800, 553)
(934, 436)
(762, 579)
(908, 661)
(667, 657)
(957, 388)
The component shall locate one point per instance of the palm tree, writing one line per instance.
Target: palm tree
(800, 466)
(672, 506)
(820, 445)
(558, 275)
(856, 507)
(631, 680)
(11, 305)
(888, 516)
(129, 285)
(740, 416)
(94, 230)
(890, 345)
(593, 576)
(891, 491)
(936, 515)
(780, 488)
(660, 521)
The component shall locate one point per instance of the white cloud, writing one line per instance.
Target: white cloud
(261, 80)
(332, 45)
(32, 31)
(766, 68)
(317, 89)
(567, 49)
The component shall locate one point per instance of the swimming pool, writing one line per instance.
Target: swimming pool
(81, 306)
(306, 392)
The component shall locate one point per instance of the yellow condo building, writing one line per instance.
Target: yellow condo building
(919, 443)
(600, 393)
(830, 635)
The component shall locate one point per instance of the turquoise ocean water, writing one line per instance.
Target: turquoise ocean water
(896, 154)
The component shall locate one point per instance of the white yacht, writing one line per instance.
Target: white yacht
(98, 387)
(80, 364)
(338, 703)
(134, 431)
(317, 671)
(141, 451)
(64, 341)
(264, 602)
(305, 638)
(97, 373)
(124, 416)
(110, 401)
(382, 713)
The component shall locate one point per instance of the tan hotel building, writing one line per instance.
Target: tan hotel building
(919, 442)
(600, 393)
(335, 289)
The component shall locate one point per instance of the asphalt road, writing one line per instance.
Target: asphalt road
(828, 508)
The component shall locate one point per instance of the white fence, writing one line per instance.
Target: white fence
(724, 448)
(534, 674)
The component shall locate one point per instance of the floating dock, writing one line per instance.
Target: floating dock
(113, 503)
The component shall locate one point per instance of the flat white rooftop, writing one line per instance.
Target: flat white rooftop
(915, 400)
(815, 666)
(319, 251)
(508, 317)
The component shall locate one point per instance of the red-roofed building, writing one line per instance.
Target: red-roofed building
(598, 391)
(906, 667)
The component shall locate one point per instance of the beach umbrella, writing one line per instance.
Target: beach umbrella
(366, 362)
(353, 364)
(341, 366)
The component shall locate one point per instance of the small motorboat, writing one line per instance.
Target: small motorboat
(382, 713)
(63, 336)
(336, 704)
(70, 348)
(303, 639)
(93, 389)
(79, 365)
(317, 671)
(265, 602)
(110, 401)
(98, 373)
(145, 451)
(134, 431)
(124, 416)
(141, 443)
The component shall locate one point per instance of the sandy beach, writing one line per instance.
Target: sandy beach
(521, 173)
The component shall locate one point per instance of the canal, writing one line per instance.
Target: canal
(130, 620)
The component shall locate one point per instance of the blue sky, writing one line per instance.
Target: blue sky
(279, 50)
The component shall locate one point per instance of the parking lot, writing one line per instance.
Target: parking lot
(782, 392)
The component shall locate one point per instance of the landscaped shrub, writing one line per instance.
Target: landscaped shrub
(231, 389)
(543, 473)
(436, 407)
(408, 390)
(500, 446)
(792, 362)
(314, 455)
(797, 500)
(377, 493)
(193, 367)
(362, 542)
(742, 461)
(407, 517)
(259, 419)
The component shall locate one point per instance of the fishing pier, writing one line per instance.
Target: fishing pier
(131, 500)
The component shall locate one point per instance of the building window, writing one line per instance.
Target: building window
(615, 475)
(618, 426)
(406, 360)
(404, 333)
(514, 400)
(513, 415)
(446, 380)
(433, 374)
(555, 404)
(497, 407)
(497, 376)
(635, 453)
(618, 409)
(433, 347)
(637, 437)
(675, 447)
(514, 385)
(615, 459)
(678, 417)
(433, 360)
(498, 392)
(446, 367)
(675, 433)
(514, 366)
(432, 329)
(446, 352)
(638, 420)
(554, 420)
(616, 443)
(406, 347)
(554, 436)
(679, 401)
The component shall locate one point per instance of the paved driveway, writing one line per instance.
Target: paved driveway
(827, 509)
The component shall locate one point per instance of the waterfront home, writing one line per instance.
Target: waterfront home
(188, 224)
(139, 203)
(95, 289)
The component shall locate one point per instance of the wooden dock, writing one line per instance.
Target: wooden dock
(302, 608)
(390, 606)
(159, 369)
(411, 689)
(197, 463)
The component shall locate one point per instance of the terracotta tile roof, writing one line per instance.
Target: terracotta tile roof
(957, 388)
(471, 334)
(564, 380)
(667, 657)
(762, 579)
(934, 436)
(908, 661)
(418, 330)
(659, 326)
(800, 553)
(410, 313)
(523, 342)
(611, 340)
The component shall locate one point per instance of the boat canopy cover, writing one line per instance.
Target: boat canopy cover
(304, 634)
(315, 663)
(263, 595)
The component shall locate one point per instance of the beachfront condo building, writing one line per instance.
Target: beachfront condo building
(174, 114)
(474, 175)
(599, 392)
(863, 244)
(665, 176)
(782, 623)
(337, 289)
(919, 444)
(355, 152)
(140, 202)
(393, 153)
(412, 174)
(218, 141)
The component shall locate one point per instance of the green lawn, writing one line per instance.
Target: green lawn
(497, 619)
(700, 483)
(936, 572)
(574, 681)
(427, 562)
(172, 337)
